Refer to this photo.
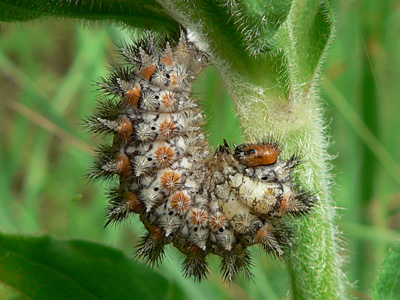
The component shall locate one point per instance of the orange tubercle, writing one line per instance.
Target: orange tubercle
(125, 129)
(156, 232)
(124, 165)
(168, 100)
(133, 96)
(170, 180)
(284, 207)
(263, 233)
(168, 60)
(135, 205)
(167, 128)
(148, 72)
(217, 221)
(174, 81)
(165, 155)
(180, 202)
(199, 216)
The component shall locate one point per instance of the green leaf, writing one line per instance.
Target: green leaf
(388, 284)
(47, 268)
(262, 21)
(304, 38)
(145, 14)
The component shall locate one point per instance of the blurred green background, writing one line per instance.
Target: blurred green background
(46, 69)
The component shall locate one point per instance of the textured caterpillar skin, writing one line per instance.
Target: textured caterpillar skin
(186, 196)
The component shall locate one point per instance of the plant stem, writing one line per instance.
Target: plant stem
(276, 94)
(314, 264)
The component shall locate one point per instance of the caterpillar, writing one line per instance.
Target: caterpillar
(201, 202)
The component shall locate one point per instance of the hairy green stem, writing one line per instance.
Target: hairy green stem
(276, 94)
(314, 264)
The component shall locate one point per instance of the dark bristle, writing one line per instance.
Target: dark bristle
(278, 241)
(150, 250)
(104, 155)
(196, 267)
(284, 235)
(117, 209)
(105, 150)
(106, 113)
(109, 84)
(129, 52)
(115, 196)
(149, 43)
(97, 125)
(271, 245)
(275, 142)
(224, 148)
(233, 263)
(119, 71)
(110, 109)
(152, 43)
(293, 161)
(302, 203)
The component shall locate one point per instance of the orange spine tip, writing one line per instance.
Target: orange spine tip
(133, 96)
(124, 165)
(170, 180)
(168, 100)
(217, 221)
(284, 206)
(174, 81)
(165, 155)
(180, 202)
(125, 129)
(168, 60)
(263, 234)
(148, 72)
(168, 128)
(199, 217)
(135, 205)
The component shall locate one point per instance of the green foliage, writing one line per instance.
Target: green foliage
(46, 268)
(387, 286)
(138, 14)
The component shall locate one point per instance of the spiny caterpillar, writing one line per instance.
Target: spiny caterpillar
(186, 196)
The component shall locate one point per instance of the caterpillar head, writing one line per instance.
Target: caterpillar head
(254, 155)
